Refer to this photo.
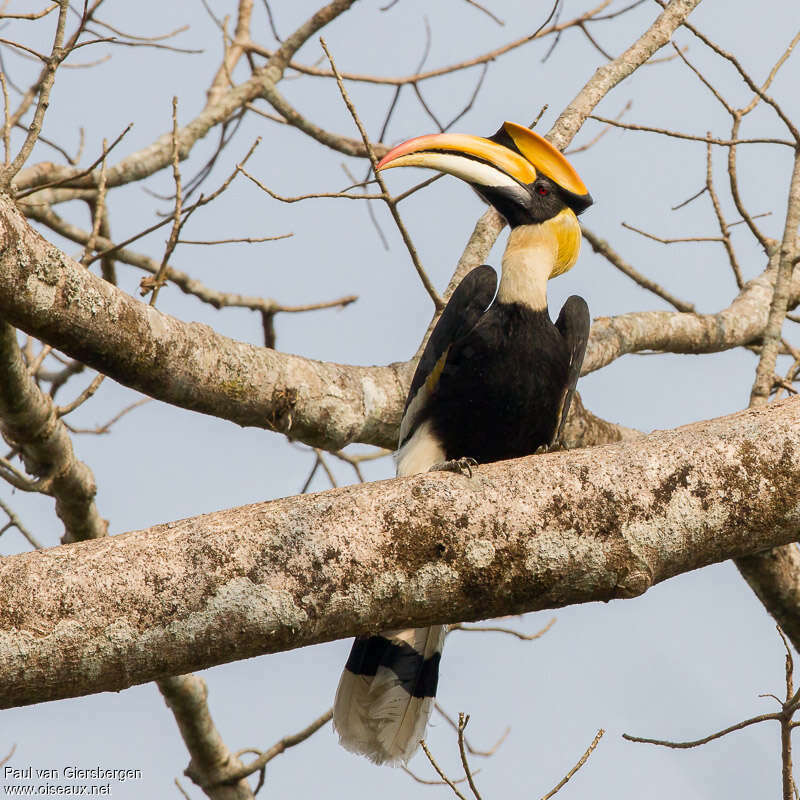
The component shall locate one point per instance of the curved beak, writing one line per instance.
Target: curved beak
(474, 159)
(514, 156)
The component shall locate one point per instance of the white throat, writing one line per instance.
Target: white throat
(527, 265)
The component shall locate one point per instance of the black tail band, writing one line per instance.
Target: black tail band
(415, 673)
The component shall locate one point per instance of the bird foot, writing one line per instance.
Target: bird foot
(461, 466)
(549, 448)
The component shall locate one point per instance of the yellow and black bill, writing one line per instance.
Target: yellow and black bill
(516, 170)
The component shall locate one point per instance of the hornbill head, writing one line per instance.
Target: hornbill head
(517, 171)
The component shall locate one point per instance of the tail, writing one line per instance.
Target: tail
(386, 693)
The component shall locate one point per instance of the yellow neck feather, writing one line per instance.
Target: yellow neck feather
(536, 253)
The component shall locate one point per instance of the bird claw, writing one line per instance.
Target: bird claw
(555, 447)
(461, 466)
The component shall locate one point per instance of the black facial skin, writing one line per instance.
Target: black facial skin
(531, 203)
(516, 208)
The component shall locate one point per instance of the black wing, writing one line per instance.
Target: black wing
(465, 307)
(573, 323)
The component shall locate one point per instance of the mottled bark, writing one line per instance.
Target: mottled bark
(741, 323)
(773, 576)
(211, 762)
(188, 364)
(50, 296)
(28, 421)
(539, 532)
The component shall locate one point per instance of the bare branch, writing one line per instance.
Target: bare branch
(671, 241)
(32, 15)
(723, 225)
(57, 55)
(732, 142)
(440, 771)
(418, 77)
(706, 739)
(525, 637)
(580, 763)
(211, 571)
(602, 247)
(423, 276)
(248, 240)
(463, 719)
(473, 750)
(28, 419)
(280, 747)
(88, 171)
(780, 299)
(211, 762)
(15, 522)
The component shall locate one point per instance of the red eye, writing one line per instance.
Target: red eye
(543, 191)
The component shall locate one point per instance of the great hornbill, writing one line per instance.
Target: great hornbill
(495, 381)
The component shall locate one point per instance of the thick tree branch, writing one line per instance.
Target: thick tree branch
(741, 323)
(50, 296)
(212, 762)
(539, 532)
(189, 365)
(28, 420)
(773, 576)
(609, 75)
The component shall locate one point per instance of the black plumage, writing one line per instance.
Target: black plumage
(495, 381)
(507, 378)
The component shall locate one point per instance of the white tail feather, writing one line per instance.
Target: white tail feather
(375, 715)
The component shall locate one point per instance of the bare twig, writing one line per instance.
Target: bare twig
(15, 522)
(106, 427)
(733, 141)
(759, 91)
(485, 11)
(723, 226)
(426, 282)
(710, 738)
(602, 247)
(463, 719)
(310, 196)
(581, 762)
(473, 750)
(182, 280)
(155, 284)
(83, 173)
(248, 240)
(418, 77)
(425, 782)
(440, 772)
(780, 298)
(671, 241)
(62, 411)
(99, 209)
(6, 123)
(279, 747)
(525, 637)
(734, 185)
(32, 15)
(8, 756)
(57, 55)
(595, 139)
